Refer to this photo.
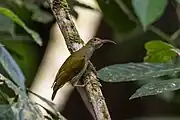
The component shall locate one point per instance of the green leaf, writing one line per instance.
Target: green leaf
(157, 87)
(158, 51)
(54, 112)
(18, 3)
(4, 98)
(42, 16)
(31, 6)
(176, 50)
(11, 67)
(6, 112)
(6, 25)
(16, 19)
(38, 14)
(21, 109)
(136, 71)
(17, 90)
(20, 50)
(15, 38)
(149, 11)
(25, 109)
(178, 1)
(49, 103)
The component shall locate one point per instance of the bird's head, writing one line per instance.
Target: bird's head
(97, 43)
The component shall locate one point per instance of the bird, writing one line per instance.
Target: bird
(76, 64)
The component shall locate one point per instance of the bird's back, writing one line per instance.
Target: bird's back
(70, 68)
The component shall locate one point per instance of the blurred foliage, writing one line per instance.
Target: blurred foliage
(15, 14)
(120, 23)
(20, 55)
(157, 77)
(137, 71)
(16, 19)
(11, 68)
(17, 46)
(157, 87)
(158, 51)
(19, 106)
(26, 54)
(149, 11)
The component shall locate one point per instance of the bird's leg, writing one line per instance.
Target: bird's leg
(90, 65)
(83, 85)
(75, 81)
(76, 85)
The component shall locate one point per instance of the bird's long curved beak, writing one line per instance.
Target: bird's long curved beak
(108, 41)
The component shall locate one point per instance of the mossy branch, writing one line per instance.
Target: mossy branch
(60, 10)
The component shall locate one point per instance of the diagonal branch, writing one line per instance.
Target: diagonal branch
(74, 42)
(60, 10)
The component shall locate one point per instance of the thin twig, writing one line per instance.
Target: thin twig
(74, 42)
(175, 35)
(152, 28)
(162, 34)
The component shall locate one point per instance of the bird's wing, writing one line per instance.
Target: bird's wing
(72, 66)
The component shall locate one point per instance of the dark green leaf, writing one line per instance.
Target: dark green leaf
(14, 2)
(22, 109)
(16, 19)
(10, 39)
(54, 112)
(42, 16)
(27, 55)
(11, 67)
(17, 90)
(38, 14)
(30, 6)
(6, 112)
(149, 10)
(25, 109)
(136, 71)
(178, 1)
(4, 98)
(6, 25)
(158, 51)
(157, 87)
(49, 103)
(6, 94)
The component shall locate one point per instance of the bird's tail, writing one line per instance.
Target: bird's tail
(55, 89)
(54, 94)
